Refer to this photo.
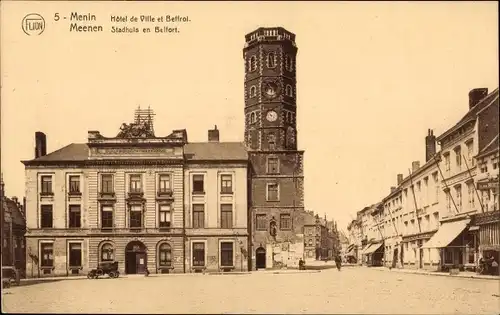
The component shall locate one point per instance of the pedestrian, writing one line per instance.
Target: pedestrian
(338, 262)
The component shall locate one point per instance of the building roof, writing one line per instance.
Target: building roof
(491, 147)
(71, 152)
(200, 151)
(472, 113)
(215, 151)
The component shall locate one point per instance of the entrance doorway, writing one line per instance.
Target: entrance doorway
(260, 258)
(135, 258)
(395, 258)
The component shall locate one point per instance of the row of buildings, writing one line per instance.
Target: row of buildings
(444, 213)
(165, 204)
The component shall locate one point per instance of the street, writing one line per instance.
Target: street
(353, 290)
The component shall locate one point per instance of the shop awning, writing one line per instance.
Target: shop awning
(372, 248)
(446, 233)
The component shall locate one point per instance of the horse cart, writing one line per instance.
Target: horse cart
(109, 268)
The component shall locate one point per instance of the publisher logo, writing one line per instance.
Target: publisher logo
(33, 24)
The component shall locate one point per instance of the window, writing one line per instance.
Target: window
(46, 216)
(471, 191)
(226, 184)
(448, 256)
(447, 161)
(198, 254)
(273, 192)
(494, 163)
(448, 201)
(198, 216)
(226, 254)
(75, 254)
(253, 118)
(271, 60)
(484, 167)
(253, 91)
(165, 255)
(107, 252)
(198, 184)
(310, 242)
(74, 184)
(273, 165)
(271, 140)
(135, 183)
(47, 253)
(261, 222)
(458, 158)
(288, 90)
(165, 215)
(486, 200)
(107, 217)
(107, 183)
(74, 216)
(47, 185)
(288, 63)
(458, 192)
(436, 187)
(226, 216)
(164, 183)
(470, 152)
(252, 65)
(285, 221)
(135, 217)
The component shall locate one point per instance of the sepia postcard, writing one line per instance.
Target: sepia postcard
(250, 157)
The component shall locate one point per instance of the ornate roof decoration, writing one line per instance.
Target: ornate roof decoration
(142, 127)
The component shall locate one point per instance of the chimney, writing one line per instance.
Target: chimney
(400, 179)
(415, 165)
(213, 135)
(430, 145)
(40, 144)
(476, 95)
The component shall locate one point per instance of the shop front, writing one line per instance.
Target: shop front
(374, 254)
(489, 234)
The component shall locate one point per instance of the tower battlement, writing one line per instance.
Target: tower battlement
(269, 34)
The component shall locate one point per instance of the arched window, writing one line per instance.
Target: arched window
(107, 252)
(252, 65)
(310, 242)
(288, 90)
(252, 118)
(271, 140)
(165, 255)
(253, 91)
(288, 63)
(271, 60)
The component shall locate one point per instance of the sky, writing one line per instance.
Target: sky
(371, 79)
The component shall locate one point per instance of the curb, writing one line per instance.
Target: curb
(446, 275)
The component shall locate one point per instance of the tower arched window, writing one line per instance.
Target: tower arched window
(252, 65)
(288, 63)
(253, 118)
(165, 255)
(288, 90)
(107, 252)
(271, 60)
(271, 140)
(253, 91)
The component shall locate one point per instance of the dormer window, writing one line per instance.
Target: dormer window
(271, 60)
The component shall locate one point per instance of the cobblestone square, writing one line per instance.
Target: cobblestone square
(353, 290)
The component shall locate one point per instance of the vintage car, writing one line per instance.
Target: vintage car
(107, 267)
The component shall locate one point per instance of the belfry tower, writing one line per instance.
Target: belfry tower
(276, 187)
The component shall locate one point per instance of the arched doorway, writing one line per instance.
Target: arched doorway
(260, 258)
(135, 258)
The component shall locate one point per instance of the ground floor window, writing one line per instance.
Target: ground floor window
(165, 255)
(199, 254)
(107, 252)
(75, 254)
(448, 256)
(47, 253)
(226, 254)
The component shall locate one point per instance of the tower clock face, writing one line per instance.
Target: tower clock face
(270, 89)
(271, 115)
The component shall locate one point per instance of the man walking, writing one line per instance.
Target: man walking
(338, 261)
